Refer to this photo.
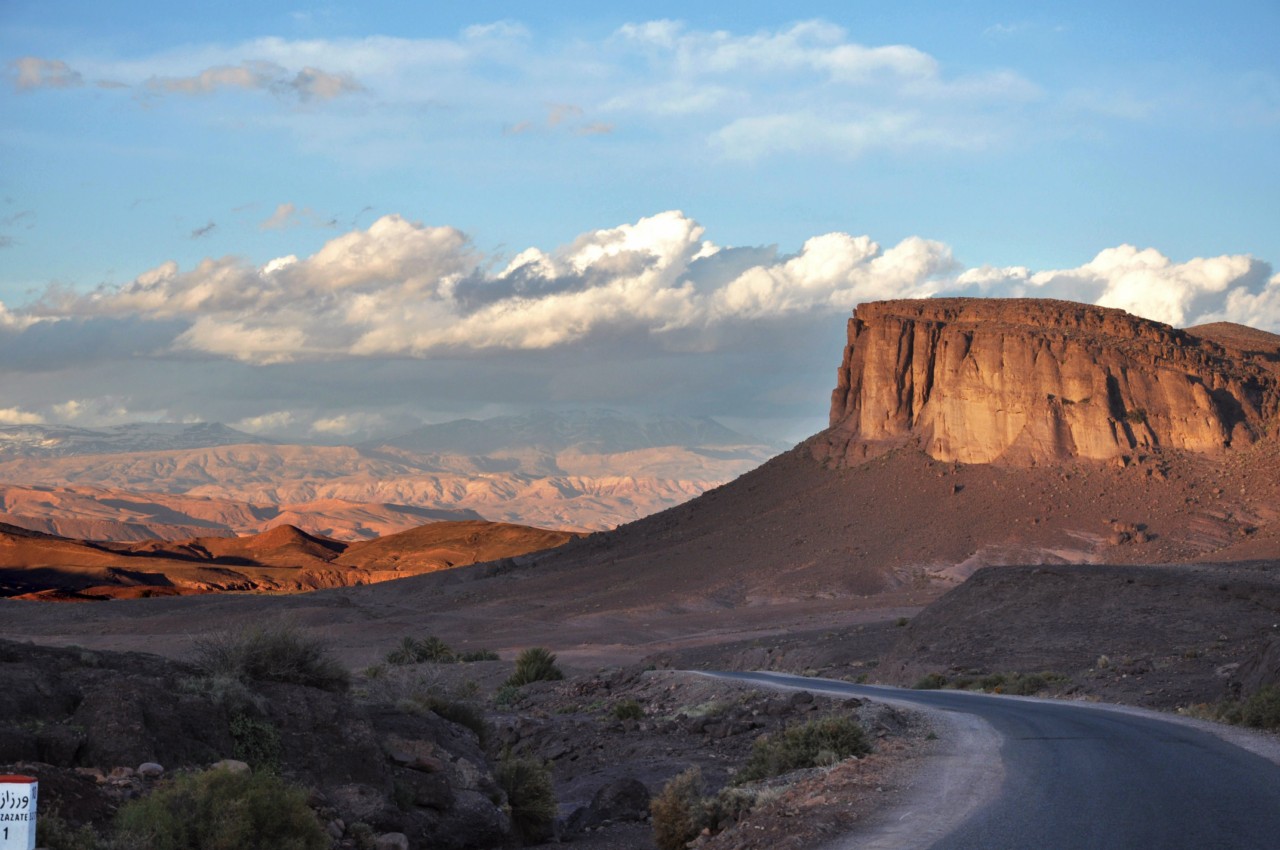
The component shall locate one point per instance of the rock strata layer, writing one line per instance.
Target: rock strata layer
(1026, 382)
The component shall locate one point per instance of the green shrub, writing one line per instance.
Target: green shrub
(55, 833)
(1138, 416)
(405, 653)
(535, 664)
(227, 692)
(678, 811)
(507, 696)
(255, 742)
(221, 810)
(1027, 684)
(1262, 709)
(824, 741)
(930, 682)
(435, 651)
(478, 655)
(628, 709)
(430, 649)
(275, 653)
(527, 784)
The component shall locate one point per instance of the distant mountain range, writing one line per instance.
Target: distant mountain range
(66, 440)
(584, 470)
(588, 432)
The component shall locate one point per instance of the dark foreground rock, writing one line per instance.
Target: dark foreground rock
(99, 728)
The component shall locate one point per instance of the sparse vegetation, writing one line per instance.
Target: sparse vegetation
(478, 655)
(815, 743)
(527, 784)
(901, 621)
(1016, 684)
(535, 664)
(256, 742)
(506, 696)
(712, 709)
(1137, 416)
(221, 810)
(930, 682)
(678, 811)
(1261, 710)
(53, 832)
(433, 650)
(627, 709)
(416, 651)
(276, 653)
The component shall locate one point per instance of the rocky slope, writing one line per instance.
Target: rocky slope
(1162, 636)
(84, 723)
(1038, 382)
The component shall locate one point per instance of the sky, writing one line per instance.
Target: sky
(341, 221)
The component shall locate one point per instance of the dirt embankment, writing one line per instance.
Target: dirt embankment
(1157, 636)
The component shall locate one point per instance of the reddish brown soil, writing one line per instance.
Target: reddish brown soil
(40, 566)
(790, 547)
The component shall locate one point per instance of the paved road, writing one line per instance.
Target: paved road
(1080, 777)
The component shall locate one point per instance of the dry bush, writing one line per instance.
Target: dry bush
(820, 742)
(274, 653)
(678, 811)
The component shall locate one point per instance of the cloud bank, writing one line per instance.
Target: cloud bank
(404, 289)
(399, 323)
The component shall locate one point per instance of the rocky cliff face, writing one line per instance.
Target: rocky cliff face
(1027, 381)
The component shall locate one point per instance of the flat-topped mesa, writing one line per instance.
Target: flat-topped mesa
(1027, 381)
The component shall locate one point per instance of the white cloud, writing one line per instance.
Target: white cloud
(747, 95)
(403, 289)
(809, 88)
(17, 416)
(266, 423)
(32, 72)
(101, 411)
(1260, 309)
(1143, 282)
(346, 424)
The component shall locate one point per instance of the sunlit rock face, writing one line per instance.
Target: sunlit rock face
(1028, 381)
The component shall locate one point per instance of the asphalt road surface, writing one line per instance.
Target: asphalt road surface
(1078, 776)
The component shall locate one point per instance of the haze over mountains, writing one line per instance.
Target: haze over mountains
(579, 470)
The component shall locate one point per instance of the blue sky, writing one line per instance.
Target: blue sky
(265, 198)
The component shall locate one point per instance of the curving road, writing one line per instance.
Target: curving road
(1077, 776)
